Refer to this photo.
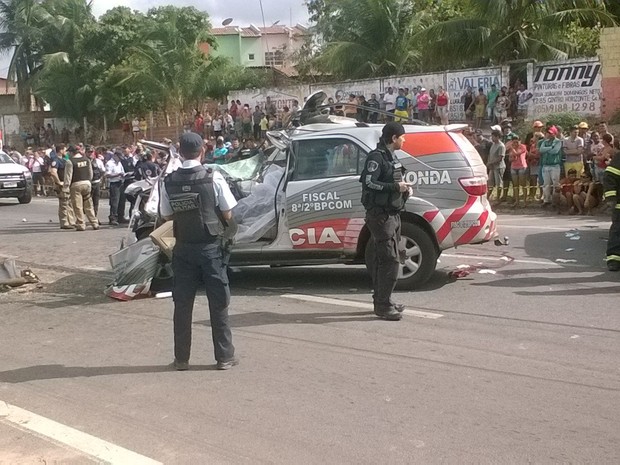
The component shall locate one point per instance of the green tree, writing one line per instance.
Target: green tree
(368, 38)
(21, 35)
(498, 31)
(67, 78)
(167, 63)
(365, 38)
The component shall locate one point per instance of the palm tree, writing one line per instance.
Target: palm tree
(168, 62)
(368, 38)
(498, 31)
(21, 35)
(66, 80)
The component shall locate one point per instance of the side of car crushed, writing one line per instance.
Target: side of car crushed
(322, 212)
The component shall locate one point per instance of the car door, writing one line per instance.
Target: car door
(323, 205)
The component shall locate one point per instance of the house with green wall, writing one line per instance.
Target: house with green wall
(260, 47)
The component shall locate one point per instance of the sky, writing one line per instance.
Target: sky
(243, 12)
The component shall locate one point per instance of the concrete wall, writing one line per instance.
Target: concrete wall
(280, 96)
(609, 54)
(8, 104)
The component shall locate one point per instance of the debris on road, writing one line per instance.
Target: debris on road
(564, 260)
(459, 274)
(11, 276)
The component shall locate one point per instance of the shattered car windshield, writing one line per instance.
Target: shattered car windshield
(242, 169)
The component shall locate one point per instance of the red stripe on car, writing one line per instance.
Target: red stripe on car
(456, 215)
(474, 230)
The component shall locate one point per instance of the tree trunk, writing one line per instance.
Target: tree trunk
(167, 117)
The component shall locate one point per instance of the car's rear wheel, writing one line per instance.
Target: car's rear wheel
(26, 198)
(420, 261)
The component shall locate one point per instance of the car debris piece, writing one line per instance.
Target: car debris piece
(11, 276)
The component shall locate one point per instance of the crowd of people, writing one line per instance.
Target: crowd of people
(561, 169)
(55, 170)
(433, 106)
(241, 121)
(557, 167)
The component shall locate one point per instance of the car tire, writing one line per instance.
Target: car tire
(26, 198)
(421, 257)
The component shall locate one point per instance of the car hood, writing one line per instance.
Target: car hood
(12, 168)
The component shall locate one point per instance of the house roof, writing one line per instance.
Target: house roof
(254, 31)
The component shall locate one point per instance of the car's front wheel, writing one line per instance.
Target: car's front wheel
(420, 260)
(26, 198)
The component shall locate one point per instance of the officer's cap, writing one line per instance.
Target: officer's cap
(392, 129)
(190, 143)
(72, 149)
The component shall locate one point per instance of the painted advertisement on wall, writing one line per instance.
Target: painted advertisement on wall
(574, 85)
(340, 91)
(428, 81)
(458, 83)
(281, 97)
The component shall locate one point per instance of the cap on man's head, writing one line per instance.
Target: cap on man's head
(392, 129)
(572, 171)
(190, 143)
(423, 89)
(553, 130)
(583, 125)
(537, 124)
(72, 149)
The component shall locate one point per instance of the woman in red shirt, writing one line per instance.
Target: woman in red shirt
(517, 152)
(442, 106)
(533, 163)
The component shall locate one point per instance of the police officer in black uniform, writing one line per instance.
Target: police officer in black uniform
(200, 203)
(384, 193)
(128, 162)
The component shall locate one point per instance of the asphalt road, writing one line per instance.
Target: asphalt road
(515, 363)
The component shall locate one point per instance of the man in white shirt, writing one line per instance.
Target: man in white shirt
(115, 174)
(390, 100)
(200, 203)
(573, 148)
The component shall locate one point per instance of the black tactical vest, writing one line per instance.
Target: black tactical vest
(192, 198)
(80, 169)
(96, 171)
(391, 171)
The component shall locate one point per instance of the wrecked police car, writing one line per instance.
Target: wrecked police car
(300, 204)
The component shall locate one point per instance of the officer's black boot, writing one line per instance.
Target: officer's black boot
(390, 314)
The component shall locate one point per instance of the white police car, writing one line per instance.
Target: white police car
(307, 210)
